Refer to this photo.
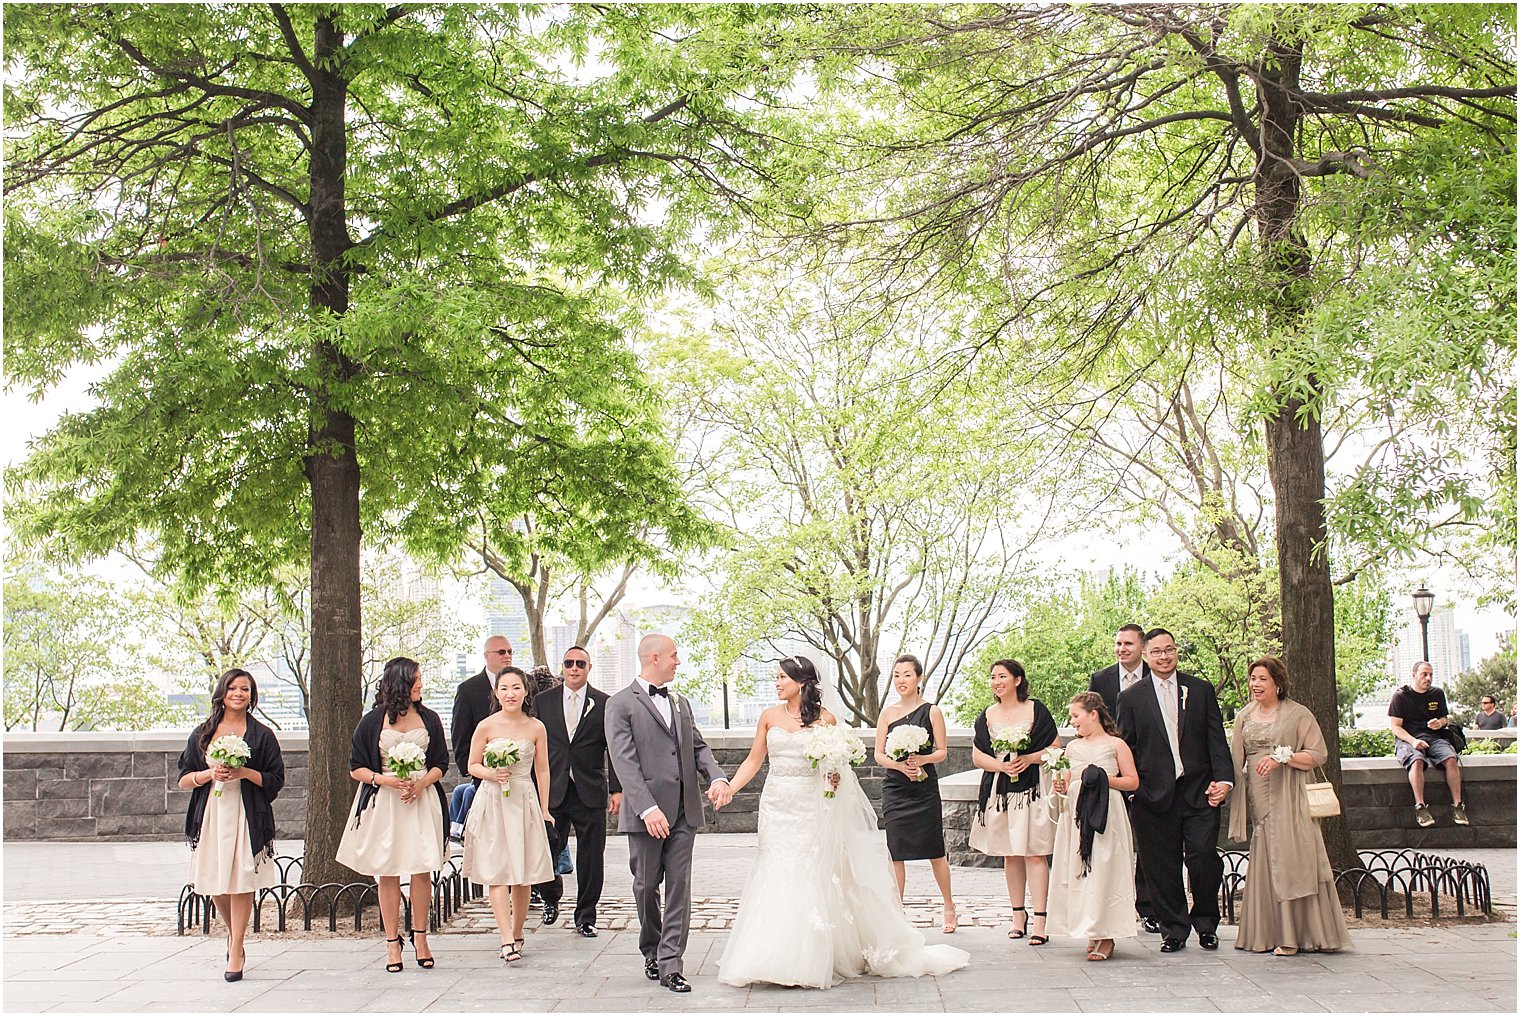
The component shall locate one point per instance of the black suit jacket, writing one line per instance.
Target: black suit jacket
(1106, 683)
(582, 760)
(1200, 741)
(472, 703)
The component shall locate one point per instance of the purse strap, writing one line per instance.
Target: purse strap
(1321, 771)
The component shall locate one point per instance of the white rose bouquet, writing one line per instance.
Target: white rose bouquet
(406, 760)
(1011, 741)
(228, 750)
(499, 753)
(834, 749)
(906, 740)
(1056, 761)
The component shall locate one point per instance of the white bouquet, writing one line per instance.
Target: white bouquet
(1011, 741)
(1056, 761)
(228, 750)
(834, 749)
(406, 760)
(1281, 754)
(906, 740)
(501, 752)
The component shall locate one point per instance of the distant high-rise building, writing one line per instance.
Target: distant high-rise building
(505, 616)
(1447, 656)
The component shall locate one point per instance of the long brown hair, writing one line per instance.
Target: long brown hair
(219, 706)
(1093, 703)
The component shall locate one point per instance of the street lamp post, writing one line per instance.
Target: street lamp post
(1424, 602)
(725, 703)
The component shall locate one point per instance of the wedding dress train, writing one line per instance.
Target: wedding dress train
(821, 904)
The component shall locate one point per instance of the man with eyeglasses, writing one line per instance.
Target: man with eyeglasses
(582, 786)
(473, 702)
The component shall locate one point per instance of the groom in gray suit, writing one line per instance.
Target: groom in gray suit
(656, 751)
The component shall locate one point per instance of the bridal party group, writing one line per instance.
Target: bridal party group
(1095, 830)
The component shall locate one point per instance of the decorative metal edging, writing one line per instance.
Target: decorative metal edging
(1383, 872)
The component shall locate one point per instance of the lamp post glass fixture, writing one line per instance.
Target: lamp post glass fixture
(1424, 603)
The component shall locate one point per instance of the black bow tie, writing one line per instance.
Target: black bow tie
(662, 690)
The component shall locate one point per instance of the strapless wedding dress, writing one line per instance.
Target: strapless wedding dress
(821, 904)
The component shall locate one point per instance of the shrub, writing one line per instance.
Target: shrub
(1366, 743)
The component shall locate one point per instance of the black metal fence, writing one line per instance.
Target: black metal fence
(306, 903)
(1400, 876)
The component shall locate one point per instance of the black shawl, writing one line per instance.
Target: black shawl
(1042, 734)
(265, 758)
(1092, 812)
(364, 753)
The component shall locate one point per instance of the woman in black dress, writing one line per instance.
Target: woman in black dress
(910, 792)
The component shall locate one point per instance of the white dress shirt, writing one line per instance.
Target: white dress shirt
(1128, 677)
(1167, 692)
(574, 700)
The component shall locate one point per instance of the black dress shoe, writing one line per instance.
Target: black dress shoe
(1150, 925)
(1208, 940)
(551, 913)
(1173, 944)
(675, 982)
(652, 970)
(232, 975)
(586, 930)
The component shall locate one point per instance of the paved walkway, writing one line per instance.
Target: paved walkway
(119, 953)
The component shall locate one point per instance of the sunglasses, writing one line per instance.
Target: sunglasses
(577, 664)
(500, 652)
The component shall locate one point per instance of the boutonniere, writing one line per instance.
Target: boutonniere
(590, 705)
(675, 699)
(1184, 696)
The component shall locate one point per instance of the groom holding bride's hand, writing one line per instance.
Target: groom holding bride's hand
(657, 751)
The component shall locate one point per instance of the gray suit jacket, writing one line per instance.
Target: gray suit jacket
(655, 764)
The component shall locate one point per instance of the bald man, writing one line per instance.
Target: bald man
(657, 752)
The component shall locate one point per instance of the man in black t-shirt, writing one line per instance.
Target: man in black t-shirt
(1417, 713)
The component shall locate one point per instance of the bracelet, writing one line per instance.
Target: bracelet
(374, 779)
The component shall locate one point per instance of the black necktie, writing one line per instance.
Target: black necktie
(662, 690)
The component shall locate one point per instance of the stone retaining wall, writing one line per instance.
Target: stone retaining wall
(105, 786)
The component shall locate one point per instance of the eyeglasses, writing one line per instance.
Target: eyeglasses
(577, 664)
(1169, 651)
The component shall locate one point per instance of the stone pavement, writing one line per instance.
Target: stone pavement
(117, 952)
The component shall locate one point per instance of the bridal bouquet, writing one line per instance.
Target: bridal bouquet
(228, 750)
(501, 752)
(1056, 761)
(1281, 754)
(406, 760)
(1011, 741)
(834, 749)
(906, 740)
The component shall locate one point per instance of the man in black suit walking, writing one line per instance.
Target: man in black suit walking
(473, 702)
(1130, 668)
(1173, 725)
(581, 785)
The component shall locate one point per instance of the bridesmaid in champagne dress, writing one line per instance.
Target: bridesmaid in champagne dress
(1290, 903)
(506, 847)
(910, 802)
(1093, 897)
(398, 824)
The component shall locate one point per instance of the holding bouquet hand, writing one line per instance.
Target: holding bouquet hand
(406, 760)
(229, 752)
(903, 743)
(1010, 742)
(501, 753)
(834, 749)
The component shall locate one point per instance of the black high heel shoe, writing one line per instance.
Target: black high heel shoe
(1019, 932)
(399, 965)
(425, 962)
(1041, 938)
(232, 976)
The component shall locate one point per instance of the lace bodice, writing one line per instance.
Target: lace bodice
(390, 738)
(787, 750)
(1259, 736)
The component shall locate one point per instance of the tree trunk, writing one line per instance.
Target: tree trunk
(333, 470)
(1295, 447)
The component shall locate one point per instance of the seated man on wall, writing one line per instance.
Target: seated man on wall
(1424, 736)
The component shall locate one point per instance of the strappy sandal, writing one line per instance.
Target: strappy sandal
(399, 965)
(1041, 938)
(425, 962)
(510, 953)
(950, 921)
(1097, 954)
(1020, 932)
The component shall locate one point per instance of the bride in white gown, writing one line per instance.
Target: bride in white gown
(820, 904)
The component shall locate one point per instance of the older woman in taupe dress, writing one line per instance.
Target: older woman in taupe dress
(1290, 902)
